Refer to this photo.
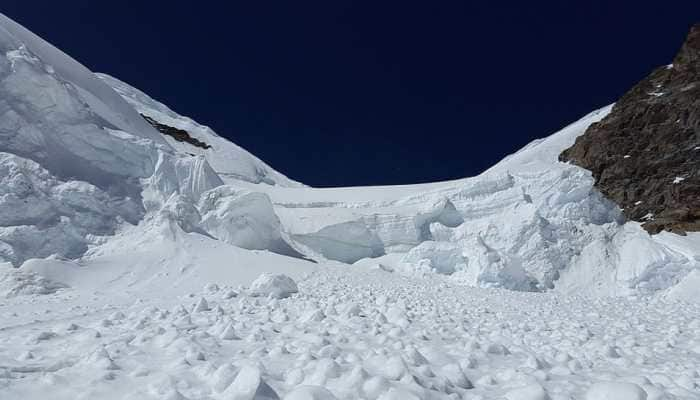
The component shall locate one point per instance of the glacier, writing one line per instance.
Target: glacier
(133, 265)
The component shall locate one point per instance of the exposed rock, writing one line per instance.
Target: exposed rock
(177, 134)
(645, 155)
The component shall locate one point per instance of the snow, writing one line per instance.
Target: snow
(278, 286)
(230, 161)
(530, 392)
(22, 46)
(476, 343)
(243, 218)
(133, 266)
(309, 393)
(615, 390)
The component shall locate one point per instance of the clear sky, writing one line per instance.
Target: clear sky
(379, 92)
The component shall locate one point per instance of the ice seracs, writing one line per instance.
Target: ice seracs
(136, 266)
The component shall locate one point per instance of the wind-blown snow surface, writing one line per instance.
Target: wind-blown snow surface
(131, 268)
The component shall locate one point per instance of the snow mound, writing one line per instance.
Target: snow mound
(278, 286)
(249, 386)
(14, 282)
(615, 390)
(306, 392)
(530, 392)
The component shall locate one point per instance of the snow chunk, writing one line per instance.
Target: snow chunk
(398, 394)
(443, 257)
(530, 392)
(243, 218)
(201, 305)
(276, 285)
(309, 393)
(489, 267)
(17, 282)
(229, 333)
(248, 385)
(615, 390)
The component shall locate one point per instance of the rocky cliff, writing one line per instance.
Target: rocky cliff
(645, 155)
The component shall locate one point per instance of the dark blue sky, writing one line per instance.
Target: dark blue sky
(356, 93)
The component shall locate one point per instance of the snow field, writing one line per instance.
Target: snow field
(362, 334)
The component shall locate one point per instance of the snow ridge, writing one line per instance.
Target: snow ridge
(230, 161)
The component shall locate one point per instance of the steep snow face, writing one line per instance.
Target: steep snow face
(41, 215)
(230, 161)
(528, 223)
(98, 97)
(57, 113)
(81, 166)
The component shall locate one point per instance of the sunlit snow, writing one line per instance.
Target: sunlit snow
(133, 266)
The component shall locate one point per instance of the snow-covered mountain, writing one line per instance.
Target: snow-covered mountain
(82, 167)
(228, 160)
(98, 208)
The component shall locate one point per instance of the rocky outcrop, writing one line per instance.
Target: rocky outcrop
(178, 134)
(645, 155)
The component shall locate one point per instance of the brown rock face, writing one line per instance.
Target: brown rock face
(645, 155)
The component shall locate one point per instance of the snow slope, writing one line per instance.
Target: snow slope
(136, 266)
(80, 164)
(230, 161)
(104, 102)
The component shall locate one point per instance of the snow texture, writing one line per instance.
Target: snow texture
(133, 266)
(278, 286)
